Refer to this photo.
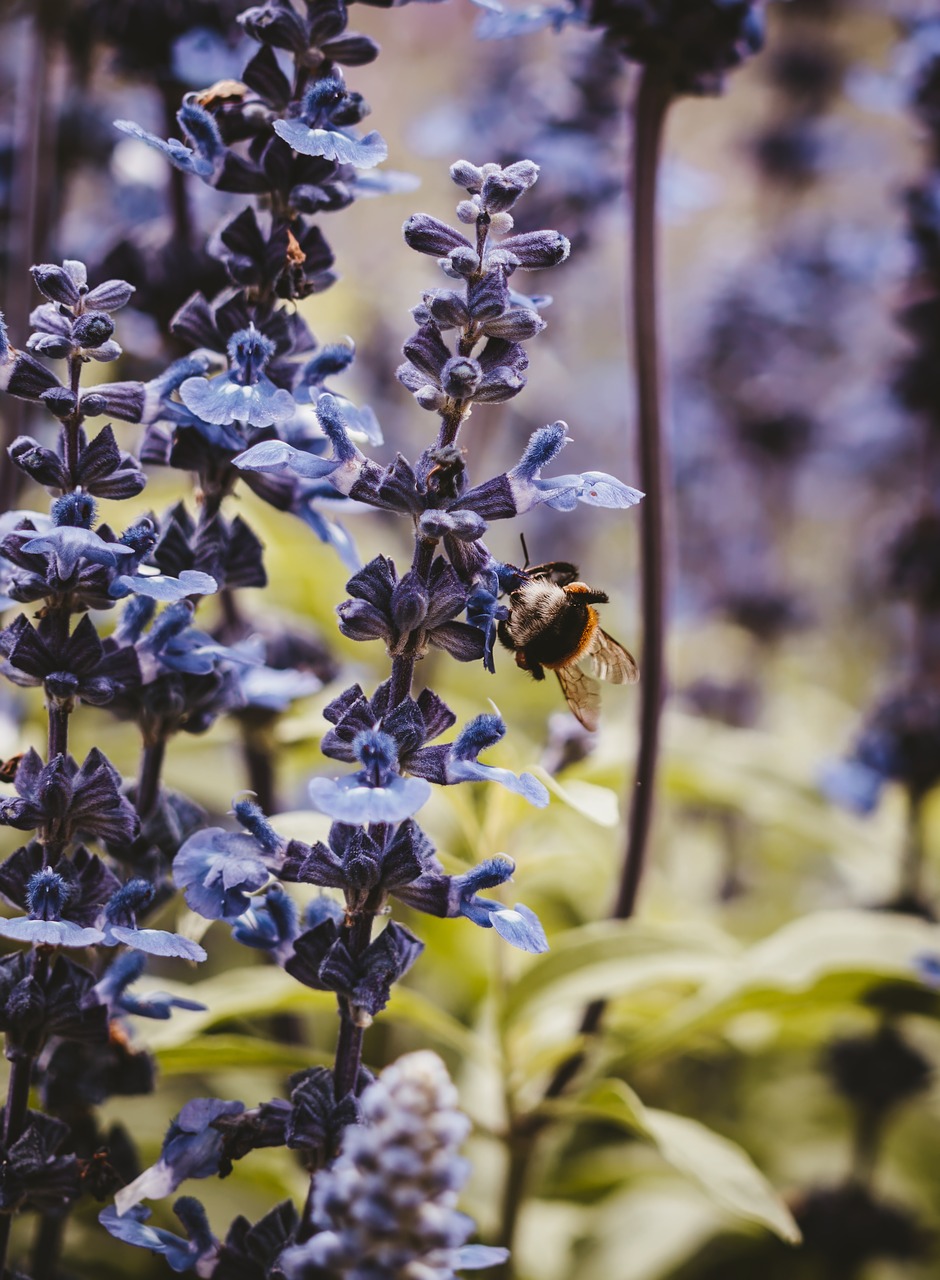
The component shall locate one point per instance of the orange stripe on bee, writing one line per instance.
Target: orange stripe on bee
(591, 622)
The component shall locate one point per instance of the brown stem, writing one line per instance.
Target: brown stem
(651, 108)
(652, 104)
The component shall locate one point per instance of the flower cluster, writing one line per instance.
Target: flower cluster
(63, 1020)
(255, 368)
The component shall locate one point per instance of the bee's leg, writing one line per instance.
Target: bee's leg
(534, 669)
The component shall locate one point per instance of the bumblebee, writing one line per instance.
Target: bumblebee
(553, 623)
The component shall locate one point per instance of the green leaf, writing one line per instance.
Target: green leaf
(830, 957)
(598, 804)
(261, 990)
(664, 1225)
(224, 1052)
(598, 961)
(238, 993)
(720, 1166)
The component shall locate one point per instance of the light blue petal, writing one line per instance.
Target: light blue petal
(221, 401)
(178, 154)
(596, 489)
(158, 586)
(522, 784)
(349, 800)
(362, 420)
(474, 1257)
(364, 152)
(53, 933)
(276, 455)
(68, 545)
(852, 785)
(520, 927)
(158, 942)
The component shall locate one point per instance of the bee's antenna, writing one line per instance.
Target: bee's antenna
(525, 551)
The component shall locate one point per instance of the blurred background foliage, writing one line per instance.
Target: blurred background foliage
(762, 949)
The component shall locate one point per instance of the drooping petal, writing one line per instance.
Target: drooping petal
(364, 153)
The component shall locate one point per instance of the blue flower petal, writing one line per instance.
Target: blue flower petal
(520, 927)
(178, 154)
(523, 784)
(276, 455)
(364, 153)
(159, 586)
(156, 942)
(594, 488)
(68, 545)
(474, 1257)
(217, 871)
(222, 400)
(350, 800)
(52, 933)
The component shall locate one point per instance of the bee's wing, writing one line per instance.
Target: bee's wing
(609, 660)
(582, 694)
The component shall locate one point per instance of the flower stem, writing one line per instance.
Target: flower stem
(651, 108)
(148, 776)
(47, 1247)
(349, 1044)
(652, 103)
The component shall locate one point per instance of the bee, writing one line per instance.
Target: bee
(553, 623)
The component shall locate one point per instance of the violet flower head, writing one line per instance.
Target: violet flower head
(387, 1204)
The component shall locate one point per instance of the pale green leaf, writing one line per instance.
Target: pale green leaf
(226, 1052)
(720, 1166)
(664, 1227)
(831, 956)
(598, 961)
(598, 804)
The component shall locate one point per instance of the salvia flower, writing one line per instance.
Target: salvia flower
(191, 1149)
(120, 925)
(388, 1203)
(197, 1251)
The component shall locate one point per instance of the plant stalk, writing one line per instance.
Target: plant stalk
(651, 109)
(652, 104)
